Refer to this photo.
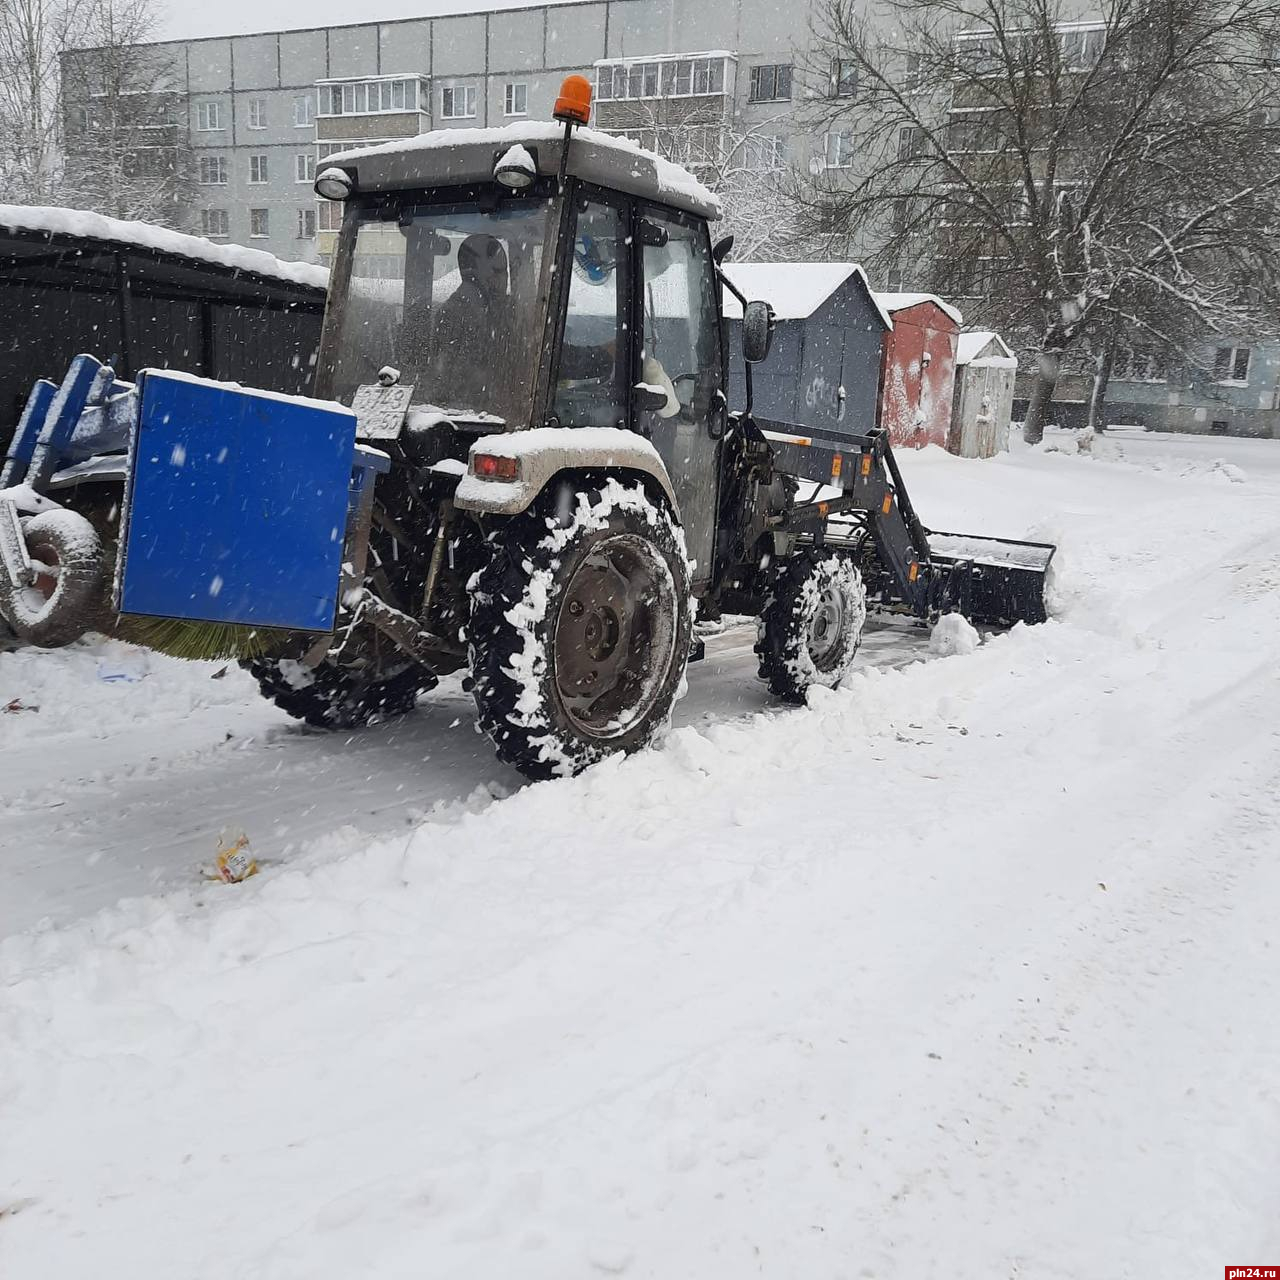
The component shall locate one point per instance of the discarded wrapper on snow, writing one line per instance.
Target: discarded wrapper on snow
(233, 861)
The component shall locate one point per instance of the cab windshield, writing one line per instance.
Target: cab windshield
(453, 296)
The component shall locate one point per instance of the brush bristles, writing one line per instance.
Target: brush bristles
(198, 641)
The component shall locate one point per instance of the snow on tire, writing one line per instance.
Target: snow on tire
(580, 629)
(66, 599)
(811, 625)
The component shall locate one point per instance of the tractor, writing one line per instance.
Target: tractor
(520, 463)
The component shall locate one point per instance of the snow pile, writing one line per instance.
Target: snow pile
(895, 302)
(953, 634)
(98, 688)
(965, 969)
(795, 290)
(970, 345)
(55, 221)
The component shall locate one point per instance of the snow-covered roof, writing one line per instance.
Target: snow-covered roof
(795, 290)
(456, 155)
(970, 345)
(145, 235)
(894, 302)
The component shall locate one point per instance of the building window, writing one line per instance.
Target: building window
(214, 222)
(661, 78)
(1231, 364)
(844, 78)
(213, 171)
(208, 117)
(304, 111)
(306, 224)
(259, 223)
(257, 113)
(838, 148)
(1081, 49)
(516, 102)
(771, 83)
(911, 143)
(304, 166)
(765, 152)
(368, 97)
(257, 169)
(458, 102)
(331, 215)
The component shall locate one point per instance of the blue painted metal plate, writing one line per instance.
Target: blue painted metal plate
(237, 507)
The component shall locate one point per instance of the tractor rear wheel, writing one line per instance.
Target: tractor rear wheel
(580, 629)
(331, 696)
(811, 625)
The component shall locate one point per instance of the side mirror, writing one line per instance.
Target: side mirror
(649, 399)
(651, 234)
(722, 250)
(757, 331)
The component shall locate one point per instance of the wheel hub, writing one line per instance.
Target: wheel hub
(614, 635)
(826, 626)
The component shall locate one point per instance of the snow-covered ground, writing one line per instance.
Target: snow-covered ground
(966, 969)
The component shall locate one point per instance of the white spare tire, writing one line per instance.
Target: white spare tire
(66, 597)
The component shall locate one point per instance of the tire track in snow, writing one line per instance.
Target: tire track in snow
(93, 821)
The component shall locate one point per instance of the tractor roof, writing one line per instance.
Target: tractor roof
(447, 157)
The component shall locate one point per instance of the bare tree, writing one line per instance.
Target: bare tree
(744, 164)
(127, 154)
(33, 34)
(1071, 180)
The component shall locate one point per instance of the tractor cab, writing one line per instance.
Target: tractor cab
(510, 278)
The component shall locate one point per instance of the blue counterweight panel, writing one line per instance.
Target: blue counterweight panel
(238, 506)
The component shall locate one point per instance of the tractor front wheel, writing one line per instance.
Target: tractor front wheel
(811, 625)
(580, 629)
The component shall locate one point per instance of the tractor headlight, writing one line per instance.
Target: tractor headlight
(334, 184)
(515, 168)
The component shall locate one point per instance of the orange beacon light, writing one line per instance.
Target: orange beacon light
(573, 106)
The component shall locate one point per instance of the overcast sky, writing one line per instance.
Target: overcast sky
(189, 18)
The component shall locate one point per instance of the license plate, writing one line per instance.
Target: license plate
(380, 411)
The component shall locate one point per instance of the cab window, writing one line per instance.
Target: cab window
(590, 382)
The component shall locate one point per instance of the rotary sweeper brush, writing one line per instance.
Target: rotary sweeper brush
(520, 463)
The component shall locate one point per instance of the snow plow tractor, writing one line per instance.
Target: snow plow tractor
(520, 464)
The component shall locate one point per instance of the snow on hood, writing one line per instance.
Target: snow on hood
(145, 235)
(795, 290)
(672, 179)
(894, 302)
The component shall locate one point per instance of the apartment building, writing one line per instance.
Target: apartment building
(262, 111)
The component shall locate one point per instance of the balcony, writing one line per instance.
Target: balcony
(670, 92)
(371, 107)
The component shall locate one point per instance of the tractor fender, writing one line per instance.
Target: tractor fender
(542, 453)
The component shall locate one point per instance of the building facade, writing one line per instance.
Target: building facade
(262, 111)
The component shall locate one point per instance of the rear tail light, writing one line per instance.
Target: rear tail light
(493, 466)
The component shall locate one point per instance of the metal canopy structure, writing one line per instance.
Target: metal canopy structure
(63, 292)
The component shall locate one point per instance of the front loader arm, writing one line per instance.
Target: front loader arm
(992, 581)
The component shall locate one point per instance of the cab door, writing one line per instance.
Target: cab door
(681, 353)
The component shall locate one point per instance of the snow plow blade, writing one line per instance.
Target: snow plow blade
(861, 496)
(994, 582)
